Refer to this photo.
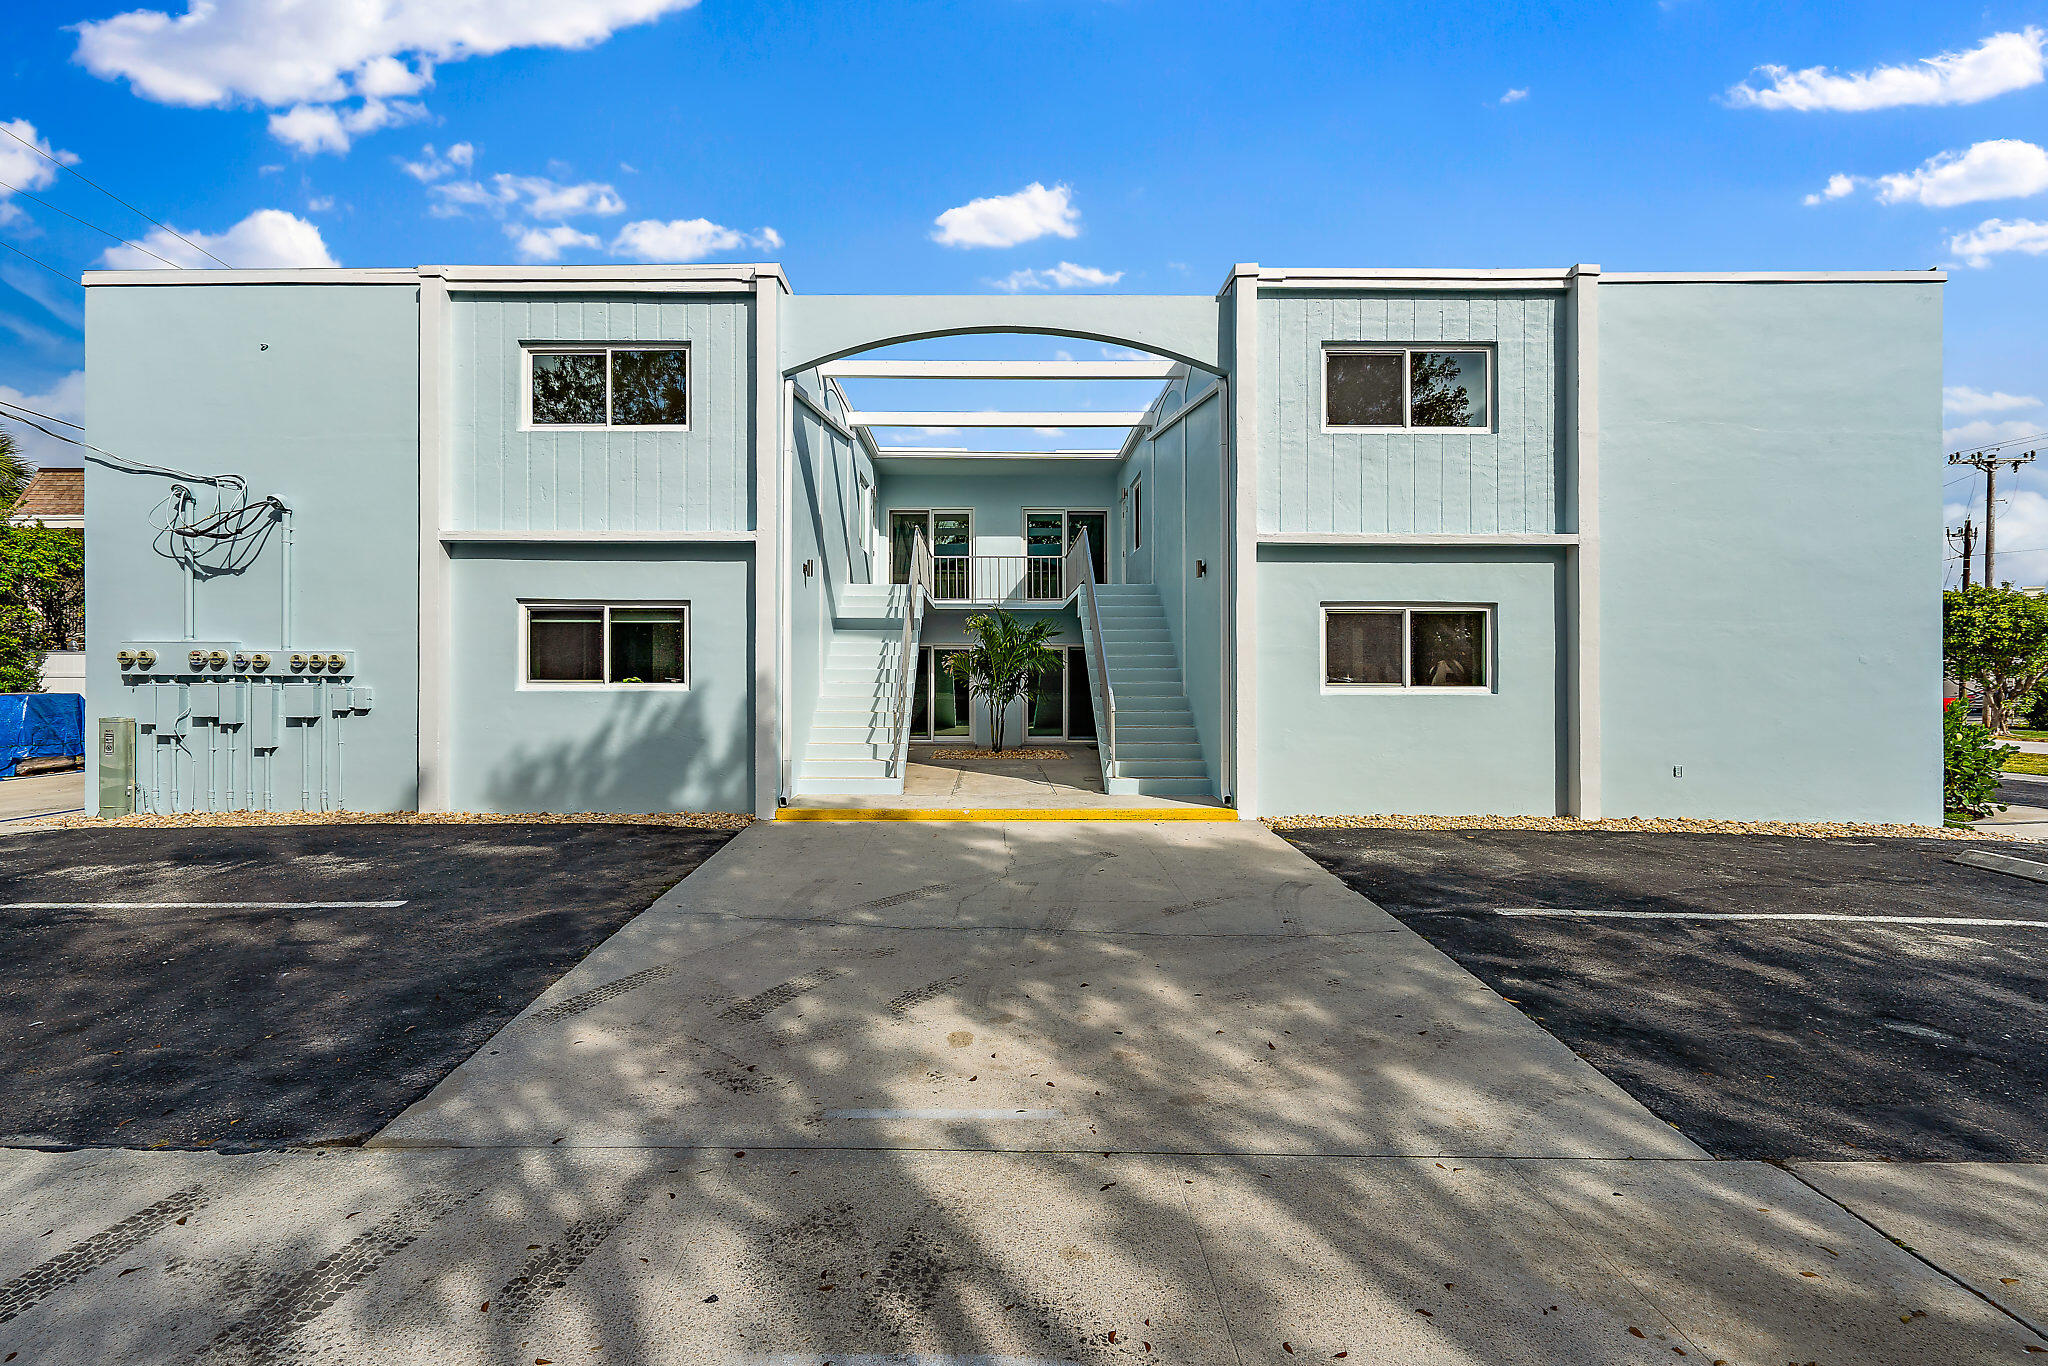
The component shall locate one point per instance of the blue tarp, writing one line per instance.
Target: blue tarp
(40, 725)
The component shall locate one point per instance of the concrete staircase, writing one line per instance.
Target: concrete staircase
(854, 728)
(1157, 751)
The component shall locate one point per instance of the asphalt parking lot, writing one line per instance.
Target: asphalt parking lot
(1757, 1038)
(135, 1023)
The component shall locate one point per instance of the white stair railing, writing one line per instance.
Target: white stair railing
(1079, 572)
(917, 591)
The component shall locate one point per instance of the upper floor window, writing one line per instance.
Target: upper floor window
(629, 385)
(1399, 388)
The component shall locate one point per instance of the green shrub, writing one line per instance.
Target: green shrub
(1970, 762)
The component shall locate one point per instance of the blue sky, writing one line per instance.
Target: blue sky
(1164, 142)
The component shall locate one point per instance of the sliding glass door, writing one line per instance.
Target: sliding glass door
(1059, 702)
(941, 706)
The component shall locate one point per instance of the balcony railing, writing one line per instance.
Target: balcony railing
(1000, 580)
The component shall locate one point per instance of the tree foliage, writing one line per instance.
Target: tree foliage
(1006, 652)
(1971, 762)
(1998, 639)
(42, 599)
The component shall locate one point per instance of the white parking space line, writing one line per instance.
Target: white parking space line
(193, 905)
(1828, 916)
(945, 1114)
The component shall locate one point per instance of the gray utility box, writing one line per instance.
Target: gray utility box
(117, 766)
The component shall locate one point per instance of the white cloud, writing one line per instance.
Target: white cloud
(66, 400)
(433, 165)
(310, 54)
(22, 168)
(1006, 220)
(320, 203)
(266, 239)
(548, 244)
(1515, 96)
(2002, 63)
(2005, 168)
(1838, 186)
(1995, 236)
(1985, 432)
(1968, 402)
(315, 128)
(531, 195)
(1065, 275)
(686, 239)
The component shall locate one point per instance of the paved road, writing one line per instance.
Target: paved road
(1757, 1038)
(256, 1025)
(1022, 1095)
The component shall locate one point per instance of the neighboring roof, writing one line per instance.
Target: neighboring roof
(53, 497)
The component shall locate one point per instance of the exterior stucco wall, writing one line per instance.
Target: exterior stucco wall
(1504, 479)
(310, 392)
(509, 479)
(1182, 469)
(825, 532)
(1499, 751)
(1771, 550)
(518, 748)
(998, 492)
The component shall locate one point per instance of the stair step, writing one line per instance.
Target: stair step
(1160, 768)
(846, 768)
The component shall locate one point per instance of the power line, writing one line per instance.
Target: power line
(88, 223)
(116, 198)
(44, 264)
(44, 416)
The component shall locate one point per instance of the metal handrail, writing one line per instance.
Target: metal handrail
(1079, 571)
(916, 592)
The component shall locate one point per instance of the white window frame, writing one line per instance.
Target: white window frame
(1406, 350)
(526, 682)
(528, 350)
(1134, 512)
(1407, 685)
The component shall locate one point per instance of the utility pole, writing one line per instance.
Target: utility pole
(1965, 536)
(1989, 463)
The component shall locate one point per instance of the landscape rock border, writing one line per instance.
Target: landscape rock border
(1638, 825)
(693, 820)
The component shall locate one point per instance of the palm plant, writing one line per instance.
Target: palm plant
(14, 471)
(997, 669)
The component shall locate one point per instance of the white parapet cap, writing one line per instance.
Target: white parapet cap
(555, 279)
(856, 368)
(1553, 277)
(994, 419)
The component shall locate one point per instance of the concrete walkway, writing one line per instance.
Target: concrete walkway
(1016, 1094)
(42, 794)
(1032, 782)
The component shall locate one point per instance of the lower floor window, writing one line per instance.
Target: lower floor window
(1370, 646)
(619, 645)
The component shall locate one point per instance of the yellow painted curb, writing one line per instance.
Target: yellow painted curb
(1006, 813)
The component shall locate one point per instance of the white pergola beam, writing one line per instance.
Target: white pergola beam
(969, 453)
(995, 419)
(997, 369)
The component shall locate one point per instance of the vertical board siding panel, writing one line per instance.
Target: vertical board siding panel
(1270, 413)
(1309, 454)
(1482, 465)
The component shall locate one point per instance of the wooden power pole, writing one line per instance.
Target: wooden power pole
(1989, 463)
(1966, 537)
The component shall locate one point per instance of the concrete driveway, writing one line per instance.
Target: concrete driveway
(907, 1093)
